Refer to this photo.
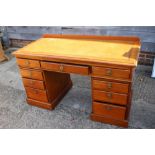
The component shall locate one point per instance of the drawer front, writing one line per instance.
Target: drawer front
(51, 66)
(111, 72)
(110, 97)
(83, 70)
(28, 63)
(77, 69)
(33, 83)
(110, 86)
(32, 74)
(36, 94)
(112, 111)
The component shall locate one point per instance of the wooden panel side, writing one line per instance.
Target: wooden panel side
(134, 39)
(55, 83)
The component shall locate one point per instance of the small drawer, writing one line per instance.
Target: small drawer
(36, 94)
(107, 110)
(32, 74)
(110, 86)
(115, 98)
(51, 66)
(33, 83)
(28, 63)
(76, 69)
(111, 72)
(66, 68)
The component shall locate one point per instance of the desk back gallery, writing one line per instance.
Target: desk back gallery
(45, 67)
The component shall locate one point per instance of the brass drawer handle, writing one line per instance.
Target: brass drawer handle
(109, 95)
(108, 108)
(61, 68)
(27, 63)
(30, 74)
(36, 92)
(109, 72)
(109, 85)
(31, 82)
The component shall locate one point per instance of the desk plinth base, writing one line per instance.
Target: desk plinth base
(39, 104)
(98, 118)
(54, 103)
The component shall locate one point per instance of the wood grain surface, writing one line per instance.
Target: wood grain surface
(88, 48)
(46, 64)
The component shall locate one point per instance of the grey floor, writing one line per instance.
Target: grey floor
(73, 111)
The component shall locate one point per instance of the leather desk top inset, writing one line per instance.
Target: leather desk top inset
(111, 51)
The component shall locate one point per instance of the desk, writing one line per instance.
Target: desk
(45, 67)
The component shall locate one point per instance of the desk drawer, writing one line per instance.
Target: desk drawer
(110, 86)
(32, 74)
(28, 63)
(110, 97)
(36, 94)
(77, 69)
(112, 111)
(33, 83)
(111, 72)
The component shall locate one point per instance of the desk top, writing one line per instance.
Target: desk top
(122, 52)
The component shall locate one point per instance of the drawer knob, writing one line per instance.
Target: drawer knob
(61, 68)
(109, 95)
(109, 85)
(109, 72)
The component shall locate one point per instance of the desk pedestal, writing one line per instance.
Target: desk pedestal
(56, 85)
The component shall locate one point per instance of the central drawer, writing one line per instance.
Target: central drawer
(110, 97)
(67, 68)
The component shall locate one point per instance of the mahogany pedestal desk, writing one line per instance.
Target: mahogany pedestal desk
(45, 66)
